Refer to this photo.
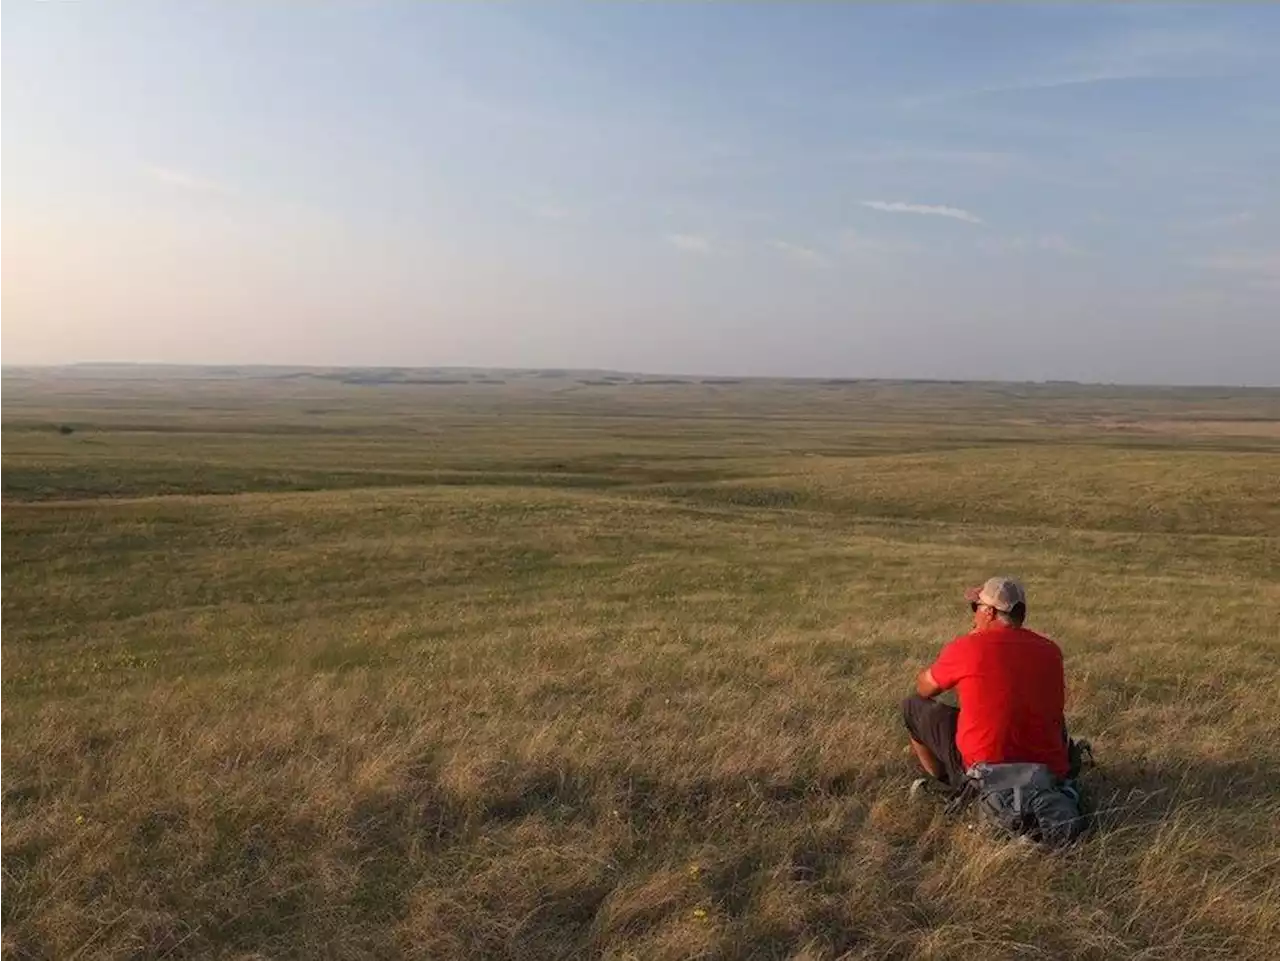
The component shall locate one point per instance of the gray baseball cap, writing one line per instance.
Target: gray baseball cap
(1001, 593)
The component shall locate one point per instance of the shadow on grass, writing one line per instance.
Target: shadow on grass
(1120, 792)
(540, 859)
(574, 857)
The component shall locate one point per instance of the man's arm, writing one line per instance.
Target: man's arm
(926, 686)
(945, 672)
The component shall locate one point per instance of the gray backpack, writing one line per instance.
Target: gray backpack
(1026, 800)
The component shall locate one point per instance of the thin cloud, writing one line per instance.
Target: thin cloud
(799, 254)
(857, 244)
(1233, 220)
(551, 212)
(1054, 243)
(1260, 264)
(1224, 224)
(1052, 83)
(1022, 86)
(690, 243)
(185, 180)
(1143, 55)
(902, 154)
(928, 210)
(1257, 270)
(1104, 76)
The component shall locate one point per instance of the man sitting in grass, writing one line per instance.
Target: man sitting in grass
(1011, 687)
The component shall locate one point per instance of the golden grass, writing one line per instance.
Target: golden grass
(648, 717)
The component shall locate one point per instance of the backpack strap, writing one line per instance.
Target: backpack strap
(963, 797)
(1012, 777)
(1077, 752)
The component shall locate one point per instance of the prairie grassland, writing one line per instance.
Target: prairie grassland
(557, 666)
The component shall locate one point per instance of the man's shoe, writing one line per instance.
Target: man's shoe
(927, 787)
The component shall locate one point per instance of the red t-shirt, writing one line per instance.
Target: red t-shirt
(1011, 686)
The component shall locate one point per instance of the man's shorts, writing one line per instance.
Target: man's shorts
(933, 724)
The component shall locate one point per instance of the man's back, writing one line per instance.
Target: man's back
(1012, 691)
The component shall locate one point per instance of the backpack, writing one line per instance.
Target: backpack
(1028, 800)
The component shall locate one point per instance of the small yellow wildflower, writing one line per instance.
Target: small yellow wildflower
(700, 913)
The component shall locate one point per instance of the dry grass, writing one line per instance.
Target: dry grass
(550, 674)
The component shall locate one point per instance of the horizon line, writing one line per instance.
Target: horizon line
(693, 379)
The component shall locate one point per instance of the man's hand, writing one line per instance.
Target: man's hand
(926, 686)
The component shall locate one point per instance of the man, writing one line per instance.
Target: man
(1011, 687)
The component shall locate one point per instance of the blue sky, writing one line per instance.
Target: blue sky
(955, 191)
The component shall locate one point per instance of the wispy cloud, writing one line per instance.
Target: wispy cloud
(903, 154)
(1144, 54)
(1235, 223)
(858, 244)
(1232, 220)
(1054, 243)
(1028, 85)
(549, 211)
(1032, 85)
(800, 254)
(1256, 270)
(928, 210)
(690, 243)
(1259, 266)
(185, 180)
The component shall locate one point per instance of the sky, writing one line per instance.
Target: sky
(1005, 192)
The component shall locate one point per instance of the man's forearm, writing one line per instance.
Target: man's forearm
(926, 686)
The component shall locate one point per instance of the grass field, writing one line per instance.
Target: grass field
(406, 664)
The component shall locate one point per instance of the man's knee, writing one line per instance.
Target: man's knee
(911, 708)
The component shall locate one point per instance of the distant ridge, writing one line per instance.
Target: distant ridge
(460, 376)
